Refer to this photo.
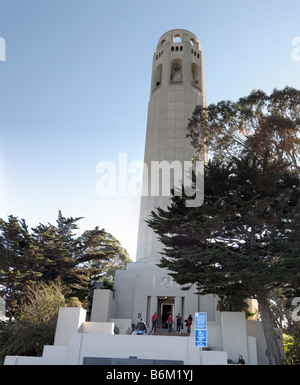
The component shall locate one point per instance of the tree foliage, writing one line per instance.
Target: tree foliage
(291, 349)
(267, 125)
(35, 321)
(244, 240)
(240, 241)
(49, 253)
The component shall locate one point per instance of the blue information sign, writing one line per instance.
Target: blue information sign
(200, 321)
(200, 330)
(201, 338)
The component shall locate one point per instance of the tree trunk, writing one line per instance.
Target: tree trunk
(273, 351)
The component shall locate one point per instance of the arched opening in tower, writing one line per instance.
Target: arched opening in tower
(196, 75)
(176, 70)
(157, 76)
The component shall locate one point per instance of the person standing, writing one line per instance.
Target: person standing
(188, 323)
(178, 323)
(241, 360)
(154, 322)
(141, 327)
(170, 322)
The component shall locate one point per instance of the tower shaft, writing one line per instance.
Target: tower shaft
(177, 86)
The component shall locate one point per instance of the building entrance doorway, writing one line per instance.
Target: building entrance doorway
(165, 308)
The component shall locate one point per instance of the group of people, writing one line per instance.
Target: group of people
(179, 325)
(141, 327)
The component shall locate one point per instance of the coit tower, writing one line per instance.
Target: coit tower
(177, 86)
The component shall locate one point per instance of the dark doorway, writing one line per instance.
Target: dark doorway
(166, 311)
(165, 308)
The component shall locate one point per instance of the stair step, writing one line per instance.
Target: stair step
(164, 332)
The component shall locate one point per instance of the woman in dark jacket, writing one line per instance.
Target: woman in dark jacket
(188, 323)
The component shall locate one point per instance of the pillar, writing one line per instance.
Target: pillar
(177, 309)
(153, 308)
(102, 305)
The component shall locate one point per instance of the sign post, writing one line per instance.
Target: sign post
(201, 332)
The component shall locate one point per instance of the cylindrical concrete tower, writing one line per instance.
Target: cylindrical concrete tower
(177, 86)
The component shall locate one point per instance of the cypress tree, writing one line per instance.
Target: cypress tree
(244, 240)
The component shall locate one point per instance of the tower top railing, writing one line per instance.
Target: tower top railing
(178, 36)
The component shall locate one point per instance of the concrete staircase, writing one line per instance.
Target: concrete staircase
(164, 332)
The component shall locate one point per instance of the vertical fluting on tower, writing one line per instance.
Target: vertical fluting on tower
(177, 86)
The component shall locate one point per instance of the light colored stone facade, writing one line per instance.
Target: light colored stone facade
(76, 340)
(177, 86)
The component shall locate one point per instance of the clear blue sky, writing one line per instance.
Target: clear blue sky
(75, 87)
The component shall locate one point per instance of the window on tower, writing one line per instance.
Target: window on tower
(176, 70)
(196, 75)
(177, 39)
(194, 43)
(157, 76)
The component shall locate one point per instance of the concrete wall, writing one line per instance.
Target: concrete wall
(69, 321)
(124, 325)
(146, 347)
(255, 329)
(97, 328)
(76, 339)
(234, 336)
(102, 305)
(125, 288)
(143, 281)
(251, 350)
(122, 346)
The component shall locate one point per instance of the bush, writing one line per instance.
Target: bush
(291, 349)
(35, 322)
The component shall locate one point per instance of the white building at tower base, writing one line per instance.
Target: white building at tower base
(78, 342)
